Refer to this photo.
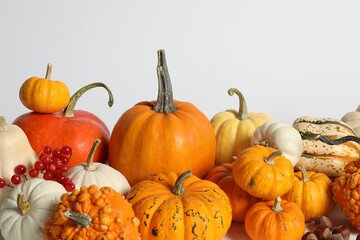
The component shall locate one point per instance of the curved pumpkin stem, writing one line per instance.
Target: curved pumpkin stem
(48, 71)
(277, 205)
(69, 110)
(305, 177)
(24, 207)
(339, 140)
(179, 184)
(82, 220)
(90, 160)
(165, 100)
(270, 159)
(243, 112)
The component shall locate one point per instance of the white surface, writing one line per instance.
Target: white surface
(289, 58)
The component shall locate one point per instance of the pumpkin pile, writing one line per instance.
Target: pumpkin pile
(166, 171)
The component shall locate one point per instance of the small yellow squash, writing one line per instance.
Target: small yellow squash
(234, 129)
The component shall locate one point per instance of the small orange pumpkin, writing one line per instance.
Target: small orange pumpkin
(240, 200)
(180, 207)
(43, 95)
(263, 172)
(312, 193)
(91, 213)
(275, 220)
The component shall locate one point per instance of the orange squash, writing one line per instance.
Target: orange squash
(43, 95)
(91, 213)
(275, 220)
(263, 172)
(171, 206)
(312, 193)
(240, 200)
(161, 135)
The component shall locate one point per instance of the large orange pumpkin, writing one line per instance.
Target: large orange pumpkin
(165, 134)
(75, 128)
(172, 206)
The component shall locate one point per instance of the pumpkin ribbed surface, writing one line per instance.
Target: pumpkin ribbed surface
(187, 209)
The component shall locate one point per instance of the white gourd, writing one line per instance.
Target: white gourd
(100, 174)
(353, 120)
(15, 149)
(280, 136)
(24, 212)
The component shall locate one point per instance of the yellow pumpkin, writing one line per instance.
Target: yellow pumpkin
(234, 129)
(312, 193)
(43, 95)
(263, 172)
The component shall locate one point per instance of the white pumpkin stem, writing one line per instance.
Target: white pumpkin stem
(90, 160)
(23, 206)
(305, 177)
(48, 71)
(270, 159)
(243, 112)
(82, 220)
(3, 125)
(277, 205)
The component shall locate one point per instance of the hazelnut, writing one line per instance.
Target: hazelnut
(343, 230)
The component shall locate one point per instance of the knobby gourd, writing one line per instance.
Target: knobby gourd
(92, 213)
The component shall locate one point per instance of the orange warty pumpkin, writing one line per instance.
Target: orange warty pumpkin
(91, 213)
(162, 135)
(275, 220)
(346, 192)
(263, 172)
(75, 128)
(240, 200)
(171, 206)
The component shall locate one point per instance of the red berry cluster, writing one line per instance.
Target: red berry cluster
(52, 163)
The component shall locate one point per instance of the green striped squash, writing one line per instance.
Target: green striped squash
(320, 157)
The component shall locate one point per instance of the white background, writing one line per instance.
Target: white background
(289, 58)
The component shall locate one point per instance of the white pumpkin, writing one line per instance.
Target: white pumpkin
(353, 120)
(15, 149)
(280, 136)
(100, 174)
(24, 212)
